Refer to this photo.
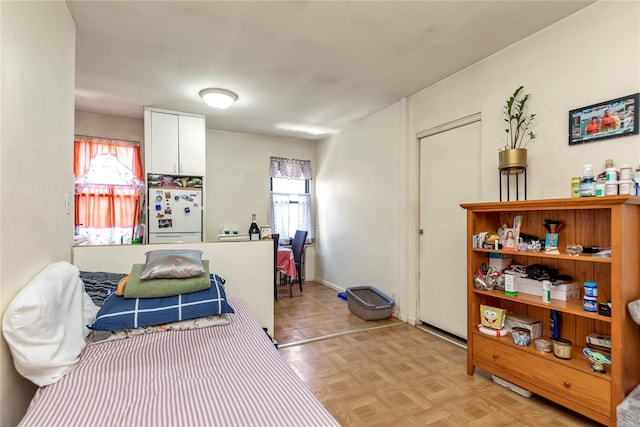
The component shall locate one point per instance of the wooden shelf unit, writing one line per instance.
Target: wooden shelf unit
(612, 221)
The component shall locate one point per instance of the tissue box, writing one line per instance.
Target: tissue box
(560, 291)
(499, 261)
(521, 321)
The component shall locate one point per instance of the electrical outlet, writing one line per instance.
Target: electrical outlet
(67, 204)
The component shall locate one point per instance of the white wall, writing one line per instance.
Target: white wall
(36, 159)
(237, 170)
(358, 224)
(557, 66)
(110, 127)
(366, 176)
(238, 176)
(558, 69)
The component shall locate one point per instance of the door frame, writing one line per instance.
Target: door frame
(463, 121)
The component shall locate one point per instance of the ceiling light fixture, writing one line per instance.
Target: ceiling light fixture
(218, 98)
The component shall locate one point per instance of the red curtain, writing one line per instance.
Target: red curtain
(101, 205)
(85, 151)
(107, 206)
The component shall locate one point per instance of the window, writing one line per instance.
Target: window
(290, 189)
(290, 204)
(108, 181)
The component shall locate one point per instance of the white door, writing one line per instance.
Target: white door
(192, 146)
(449, 176)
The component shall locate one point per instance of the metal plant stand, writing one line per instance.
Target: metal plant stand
(509, 172)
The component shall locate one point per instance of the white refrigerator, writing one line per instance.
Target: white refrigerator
(175, 215)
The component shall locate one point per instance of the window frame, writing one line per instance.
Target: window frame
(307, 186)
(292, 200)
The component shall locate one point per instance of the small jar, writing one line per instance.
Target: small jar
(588, 182)
(590, 289)
(611, 188)
(590, 304)
(521, 336)
(625, 172)
(624, 186)
(562, 348)
(611, 175)
(600, 190)
(542, 345)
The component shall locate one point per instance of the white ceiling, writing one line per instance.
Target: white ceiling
(311, 63)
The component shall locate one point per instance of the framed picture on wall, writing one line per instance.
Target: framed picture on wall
(608, 119)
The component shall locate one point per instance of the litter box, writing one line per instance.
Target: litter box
(368, 303)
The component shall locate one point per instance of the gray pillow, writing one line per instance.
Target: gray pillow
(173, 264)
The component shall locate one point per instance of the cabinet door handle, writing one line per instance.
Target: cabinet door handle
(567, 384)
(495, 355)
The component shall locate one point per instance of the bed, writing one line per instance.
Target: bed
(226, 375)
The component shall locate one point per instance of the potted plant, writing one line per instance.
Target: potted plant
(514, 155)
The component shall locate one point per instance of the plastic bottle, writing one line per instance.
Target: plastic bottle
(554, 325)
(610, 172)
(591, 289)
(575, 186)
(590, 296)
(625, 172)
(546, 291)
(588, 183)
(602, 176)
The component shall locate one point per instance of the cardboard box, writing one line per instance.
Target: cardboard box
(521, 321)
(563, 291)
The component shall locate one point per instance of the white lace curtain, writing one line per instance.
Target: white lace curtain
(282, 206)
(290, 168)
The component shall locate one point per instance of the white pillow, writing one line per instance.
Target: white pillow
(45, 324)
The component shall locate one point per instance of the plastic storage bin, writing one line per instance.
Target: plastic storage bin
(368, 303)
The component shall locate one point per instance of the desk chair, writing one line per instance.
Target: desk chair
(298, 250)
(276, 243)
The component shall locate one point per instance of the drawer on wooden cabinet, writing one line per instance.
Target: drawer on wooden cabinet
(543, 371)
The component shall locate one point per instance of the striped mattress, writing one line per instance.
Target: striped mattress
(229, 375)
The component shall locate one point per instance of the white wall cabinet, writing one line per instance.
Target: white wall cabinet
(174, 143)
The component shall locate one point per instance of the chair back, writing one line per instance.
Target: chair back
(276, 243)
(298, 245)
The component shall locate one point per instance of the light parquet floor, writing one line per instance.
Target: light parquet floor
(395, 374)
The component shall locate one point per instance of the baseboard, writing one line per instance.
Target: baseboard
(329, 285)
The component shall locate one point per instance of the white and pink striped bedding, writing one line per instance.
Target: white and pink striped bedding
(229, 375)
